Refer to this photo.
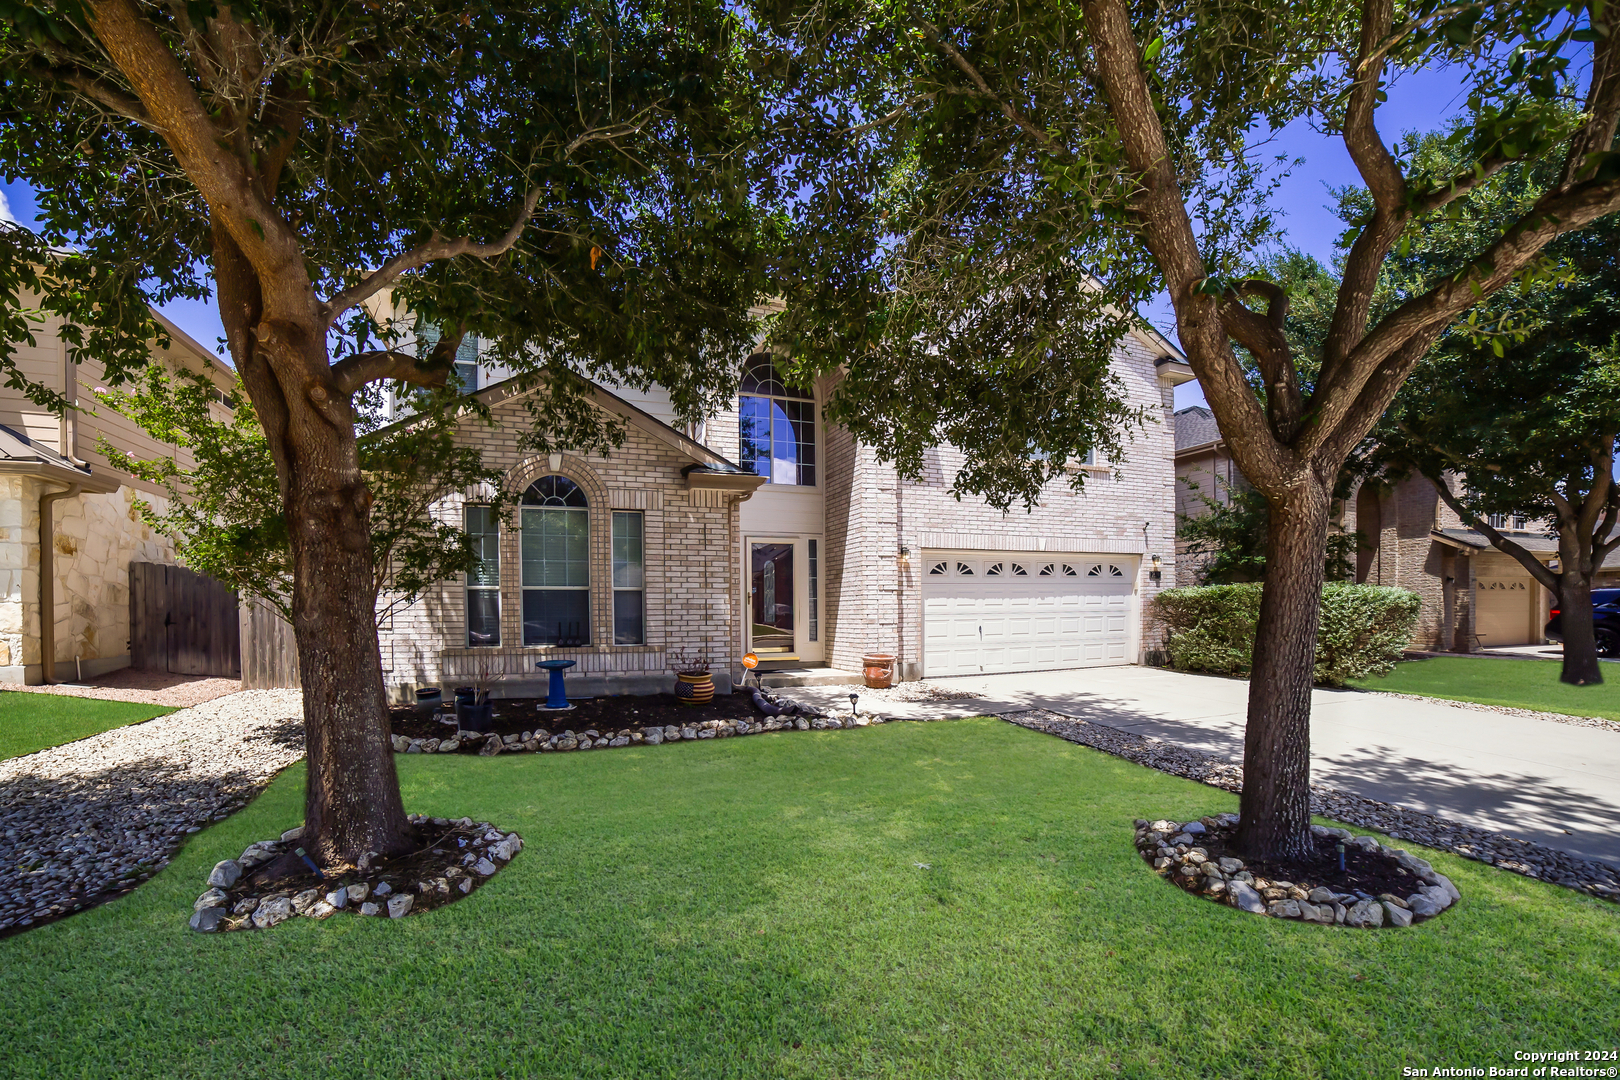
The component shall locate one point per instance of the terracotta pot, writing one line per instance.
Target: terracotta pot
(878, 670)
(694, 689)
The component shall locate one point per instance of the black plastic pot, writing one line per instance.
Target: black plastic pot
(429, 700)
(476, 717)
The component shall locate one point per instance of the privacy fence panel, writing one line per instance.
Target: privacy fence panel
(269, 654)
(182, 622)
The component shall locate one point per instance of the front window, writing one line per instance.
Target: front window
(777, 426)
(556, 563)
(629, 579)
(484, 580)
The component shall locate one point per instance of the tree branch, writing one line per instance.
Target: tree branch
(435, 249)
(1168, 232)
(1018, 119)
(96, 89)
(353, 372)
(1535, 566)
(1263, 336)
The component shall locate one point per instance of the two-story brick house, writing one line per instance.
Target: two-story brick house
(768, 530)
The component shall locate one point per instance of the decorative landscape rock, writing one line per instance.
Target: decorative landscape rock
(1493, 849)
(460, 855)
(1226, 880)
(89, 820)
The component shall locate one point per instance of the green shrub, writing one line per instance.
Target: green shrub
(1363, 630)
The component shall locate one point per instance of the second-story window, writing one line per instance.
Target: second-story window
(777, 426)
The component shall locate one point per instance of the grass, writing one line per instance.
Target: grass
(31, 722)
(1522, 684)
(755, 908)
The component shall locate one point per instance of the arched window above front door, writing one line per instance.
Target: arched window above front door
(777, 425)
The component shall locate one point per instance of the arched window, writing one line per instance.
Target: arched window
(556, 548)
(777, 426)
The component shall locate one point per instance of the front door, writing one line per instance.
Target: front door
(771, 597)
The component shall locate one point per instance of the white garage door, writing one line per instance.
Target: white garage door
(986, 612)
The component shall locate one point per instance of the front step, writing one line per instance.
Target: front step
(820, 676)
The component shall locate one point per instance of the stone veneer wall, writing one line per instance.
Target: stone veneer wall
(692, 550)
(96, 538)
(875, 604)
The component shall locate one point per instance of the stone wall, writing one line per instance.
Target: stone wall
(96, 538)
(692, 555)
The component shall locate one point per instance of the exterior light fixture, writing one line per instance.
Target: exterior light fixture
(852, 699)
(904, 558)
(1156, 565)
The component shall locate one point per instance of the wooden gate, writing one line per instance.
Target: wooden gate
(182, 622)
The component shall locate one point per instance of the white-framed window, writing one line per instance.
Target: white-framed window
(629, 579)
(777, 426)
(484, 580)
(556, 576)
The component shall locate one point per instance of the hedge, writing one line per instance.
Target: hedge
(1364, 629)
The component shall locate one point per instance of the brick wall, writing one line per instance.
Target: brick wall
(875, 603)
(691, 550)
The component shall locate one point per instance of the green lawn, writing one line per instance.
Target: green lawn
(754, 908)
(1523, 684)
(30, 722)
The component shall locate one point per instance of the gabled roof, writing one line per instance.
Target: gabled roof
(709, 469)
(1195, 428)
(19, 453)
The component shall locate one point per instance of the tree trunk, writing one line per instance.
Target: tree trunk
(1581, 666)
(352, 803)
(1276, 802)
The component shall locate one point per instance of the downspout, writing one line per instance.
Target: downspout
(47, 581)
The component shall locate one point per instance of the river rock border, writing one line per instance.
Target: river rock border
(471, 858)
(1174, 850)
(1509, 853)
(531, 742)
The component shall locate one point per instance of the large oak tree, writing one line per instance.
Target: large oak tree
(1016, 168)
(570, 181)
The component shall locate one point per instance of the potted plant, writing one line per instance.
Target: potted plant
(474, 710)
(694, 685)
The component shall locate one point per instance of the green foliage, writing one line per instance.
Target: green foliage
(1228, 539)
(966, 250)
(224, 507)
(379, 127)
(1363, 630)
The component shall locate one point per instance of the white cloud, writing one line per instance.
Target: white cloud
(5, 209)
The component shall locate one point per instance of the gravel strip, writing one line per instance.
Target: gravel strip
(1507, 710)
(149, 687)
(1495, 849)
(84, 822)
(916, 691)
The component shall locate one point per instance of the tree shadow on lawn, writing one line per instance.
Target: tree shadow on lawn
(743, 908)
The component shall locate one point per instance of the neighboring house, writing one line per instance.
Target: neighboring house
(1205, 474)
(768, 530)
(1473, 596)
(55, 483)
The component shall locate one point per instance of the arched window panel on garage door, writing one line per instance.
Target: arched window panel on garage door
(1030, 616)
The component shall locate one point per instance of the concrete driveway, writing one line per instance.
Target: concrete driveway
(1555, 784)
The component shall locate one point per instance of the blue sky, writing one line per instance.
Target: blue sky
(1418, 101)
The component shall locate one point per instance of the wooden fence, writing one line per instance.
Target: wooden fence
(182, 622)
(269, 653)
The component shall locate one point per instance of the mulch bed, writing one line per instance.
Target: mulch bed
(625, 714)
(1370, 872)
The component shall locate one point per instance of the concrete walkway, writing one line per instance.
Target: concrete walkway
(1551, 783)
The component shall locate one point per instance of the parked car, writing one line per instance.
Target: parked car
(1605, 622)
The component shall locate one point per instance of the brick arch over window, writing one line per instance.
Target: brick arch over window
(600, 508)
